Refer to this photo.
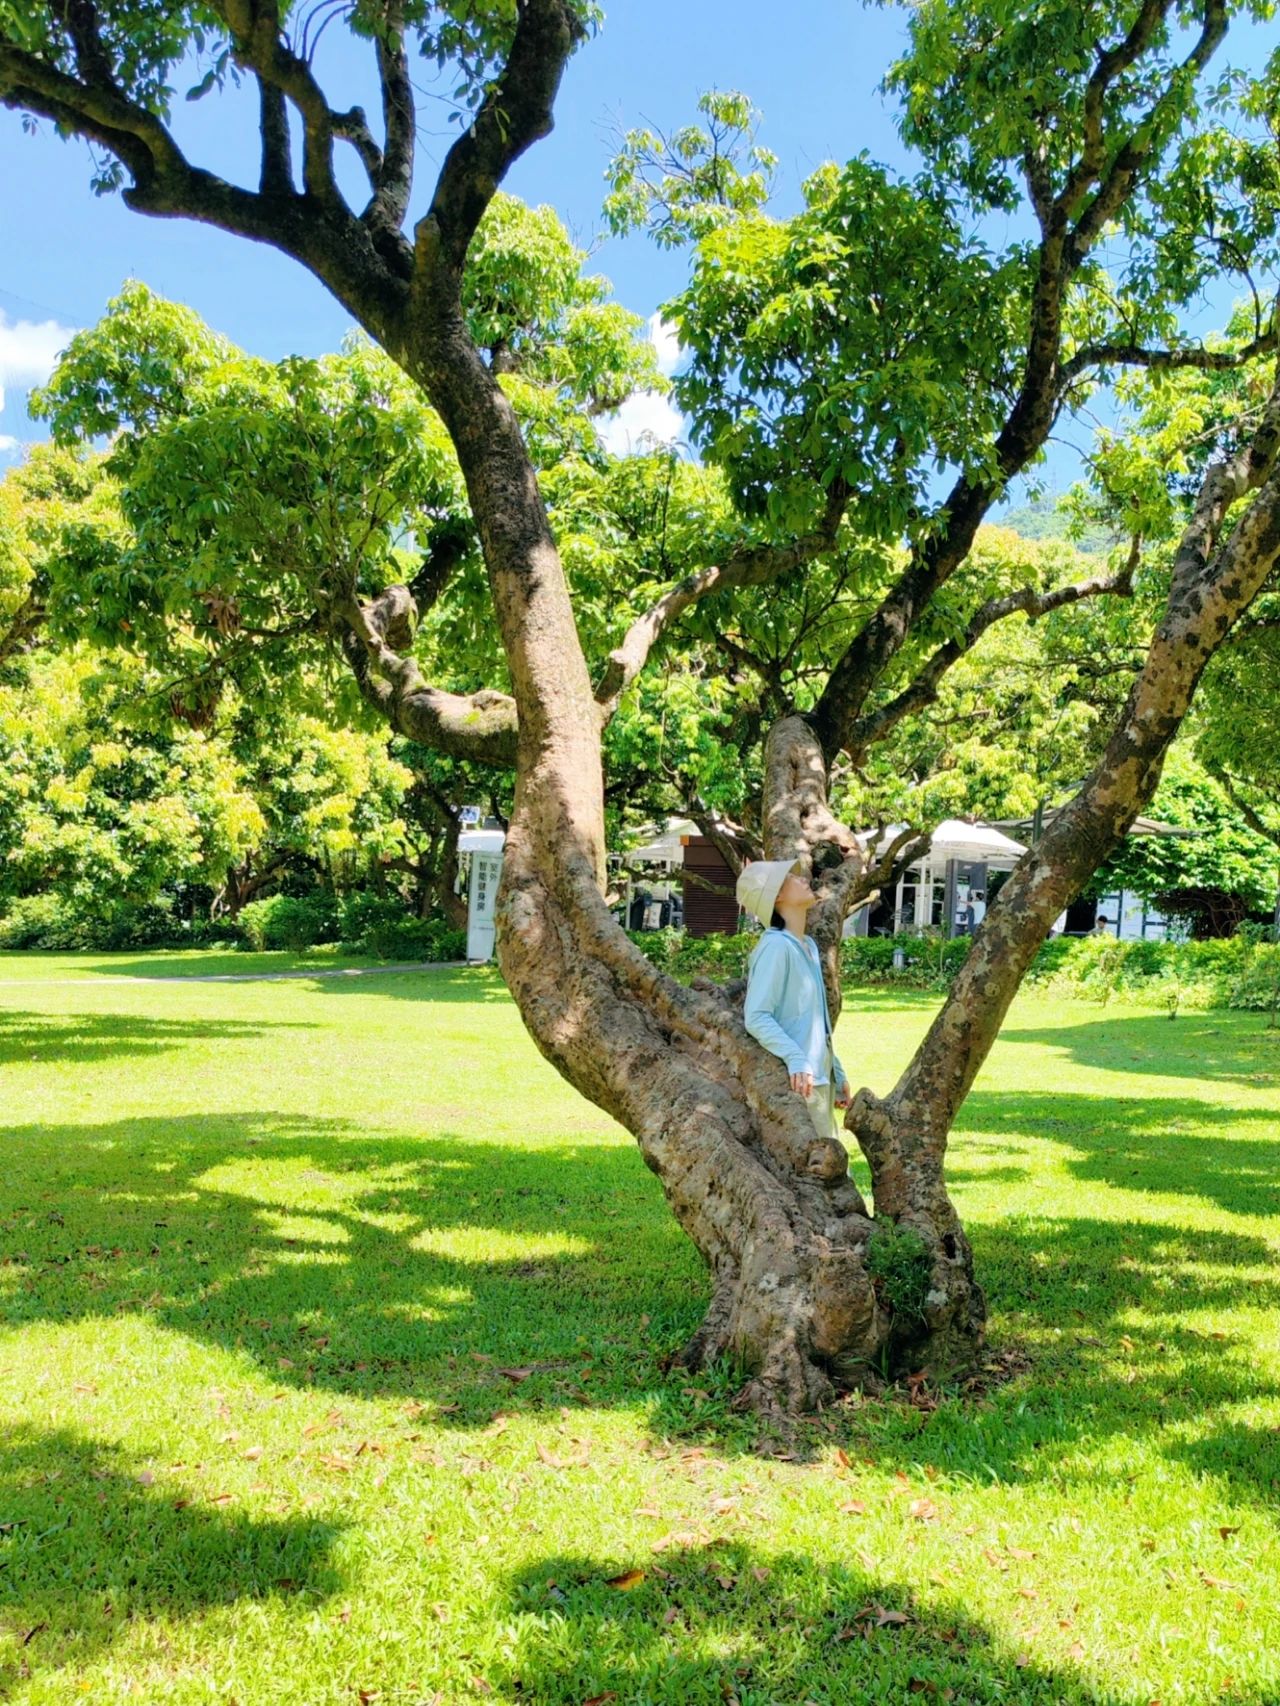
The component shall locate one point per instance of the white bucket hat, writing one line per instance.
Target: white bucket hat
(758, 885)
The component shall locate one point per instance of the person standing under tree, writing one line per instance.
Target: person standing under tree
(786, 1007)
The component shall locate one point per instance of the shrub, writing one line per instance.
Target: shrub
(378, 925)
(57, 923)
(292, 922)
(40, 921)
(1239, 971)
(898, 1262)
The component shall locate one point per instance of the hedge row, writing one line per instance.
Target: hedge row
(362, 923)
(1240, 971)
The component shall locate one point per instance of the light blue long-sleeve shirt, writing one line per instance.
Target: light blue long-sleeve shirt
(786, 1007)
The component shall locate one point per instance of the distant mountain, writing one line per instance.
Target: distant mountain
(1044, 519)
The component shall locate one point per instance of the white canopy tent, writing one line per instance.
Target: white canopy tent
(929, 891)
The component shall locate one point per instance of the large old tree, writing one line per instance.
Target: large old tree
(870, 368)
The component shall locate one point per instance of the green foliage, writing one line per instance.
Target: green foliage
(1221, 854)
(292, 922)
(865, 339)
(378, 925)
(1237, 971)
(683, 186)
(55, 922)
(898, 1261)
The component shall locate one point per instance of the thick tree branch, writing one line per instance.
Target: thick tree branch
(923, 690)
(515, 113)
(1214, 580)
(1062, 251)
(752, 566)
(478, 726)
(393, 179)
(1256, 822)
(1111, 63)
(1160, 360)
(1137, 150)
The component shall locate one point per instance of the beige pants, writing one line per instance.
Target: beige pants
(822, 1108)
(822, 1102)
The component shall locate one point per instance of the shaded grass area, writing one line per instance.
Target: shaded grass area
(332, 1329)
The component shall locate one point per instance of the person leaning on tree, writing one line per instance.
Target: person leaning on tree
(786, 1007)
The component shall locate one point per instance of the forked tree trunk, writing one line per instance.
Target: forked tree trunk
(789, 1243)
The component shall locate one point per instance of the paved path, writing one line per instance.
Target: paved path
(239, 976)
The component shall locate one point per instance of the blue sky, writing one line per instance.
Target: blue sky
(65, 252)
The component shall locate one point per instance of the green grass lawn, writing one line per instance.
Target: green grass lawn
(331, 1339)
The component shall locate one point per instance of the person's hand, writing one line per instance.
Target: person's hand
(802, 1084)
(845, 1096)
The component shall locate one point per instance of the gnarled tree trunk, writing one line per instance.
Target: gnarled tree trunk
(785, 1234)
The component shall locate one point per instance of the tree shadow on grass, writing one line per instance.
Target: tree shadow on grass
(415, 982)
(1140, 1144)
(357, 1264)
(86, 1547)
(728, 1623)
(459, 1272)
(74, 1039)
(1100, 1300)
(1215, 1047)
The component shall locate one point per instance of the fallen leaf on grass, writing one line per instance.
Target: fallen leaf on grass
(880, 1618)
(221, 1498)
(923, 1510)
(253, 1454)
(682, 1537)
(579, 1460)
(516, 1375)
(1019, 1552)
(1075, 1651)
(761, 1572)
(1217, 1582)
(648, 1510)
(842, 1458)
(626, 1581)
(853, 1507)
(600, 1699)
(1226, 1532)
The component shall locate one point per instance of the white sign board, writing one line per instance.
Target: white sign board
(482, 894)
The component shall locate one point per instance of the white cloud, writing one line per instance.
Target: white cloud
(8, 444)
(28, 350)
(666, 341)
(645, 419)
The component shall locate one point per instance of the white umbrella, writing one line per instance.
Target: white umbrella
(970, 843)
(667, 849)
(973, 843)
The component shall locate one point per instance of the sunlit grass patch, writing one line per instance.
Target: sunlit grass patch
(332, 1329)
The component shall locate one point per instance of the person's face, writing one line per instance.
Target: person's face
(795, 893)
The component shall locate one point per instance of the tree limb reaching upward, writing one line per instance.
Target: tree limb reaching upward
(923, 689)
(479, 726)
(752, 565)
(1062, 251)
